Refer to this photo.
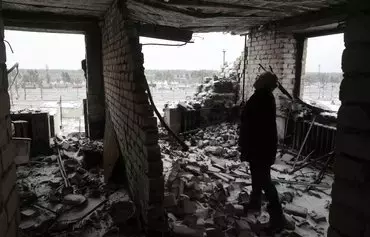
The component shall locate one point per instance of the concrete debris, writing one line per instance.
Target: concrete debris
(206, 189)
(74, 199)
(89, 205)
(296, 210)
(317, 217)
(28, 213)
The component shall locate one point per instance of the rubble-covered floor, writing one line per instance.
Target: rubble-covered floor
(206, 187)
(89, 207)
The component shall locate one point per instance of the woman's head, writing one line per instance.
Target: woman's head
(266, 80)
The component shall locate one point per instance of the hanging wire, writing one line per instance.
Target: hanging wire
(159, 44)
(16, 65)
(11, 49)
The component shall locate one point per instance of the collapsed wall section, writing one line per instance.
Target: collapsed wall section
(278, 50)
(131, 115)
(9, 215)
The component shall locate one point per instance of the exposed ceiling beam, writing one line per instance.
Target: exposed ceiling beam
(164, 32)
(197, 14)
(67, 4)
(47, 21)
(326, 16)
(216, 5)
(66, 10)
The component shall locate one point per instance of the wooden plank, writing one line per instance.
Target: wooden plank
(228, 176)
(70, 4)
(214, 5)
(57, 10)
(240, 174)
(223, 178)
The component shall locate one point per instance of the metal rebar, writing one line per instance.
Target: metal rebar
(300, 183)
(62, 170)
(61, 114)
(244, 66)
(304, 141)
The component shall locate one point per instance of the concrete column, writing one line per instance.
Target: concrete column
(9, 215)
(350, 209)
(95, 84)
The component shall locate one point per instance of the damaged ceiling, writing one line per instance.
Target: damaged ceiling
(221, 15)
(91, 8)
(194, 15)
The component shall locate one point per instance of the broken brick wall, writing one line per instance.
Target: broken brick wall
(278, 50)
(350, 208)
(131, 115)
(9, 215)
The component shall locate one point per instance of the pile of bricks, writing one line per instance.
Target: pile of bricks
(131, 115)
(9, 217)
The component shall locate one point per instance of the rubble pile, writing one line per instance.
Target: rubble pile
(218, 92)
(207, 186)
(66, 195)
(221, 91)
(89, 153)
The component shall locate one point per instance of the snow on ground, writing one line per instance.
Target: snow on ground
(211, 169)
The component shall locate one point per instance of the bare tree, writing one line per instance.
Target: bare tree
(48, 78)
(66, 78)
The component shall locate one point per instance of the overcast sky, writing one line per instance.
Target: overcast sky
(65, 51)
(325, 51)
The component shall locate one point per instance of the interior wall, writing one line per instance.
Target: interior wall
(131, 115)
(9, 215)
(278, 50)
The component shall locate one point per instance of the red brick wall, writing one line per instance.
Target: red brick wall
(9, 215)
(127, 103)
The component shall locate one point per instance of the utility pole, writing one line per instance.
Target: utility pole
(223, 60)
(320, 81)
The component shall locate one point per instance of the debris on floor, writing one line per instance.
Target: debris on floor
(207, 186)
(66, 195)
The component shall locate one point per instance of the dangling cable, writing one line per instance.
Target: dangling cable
(15, 66)
(11, 49)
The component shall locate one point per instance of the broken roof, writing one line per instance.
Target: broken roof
(221, 15)
(94, 8)
(193, 15)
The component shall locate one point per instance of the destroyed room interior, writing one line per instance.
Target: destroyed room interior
(133, 168)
